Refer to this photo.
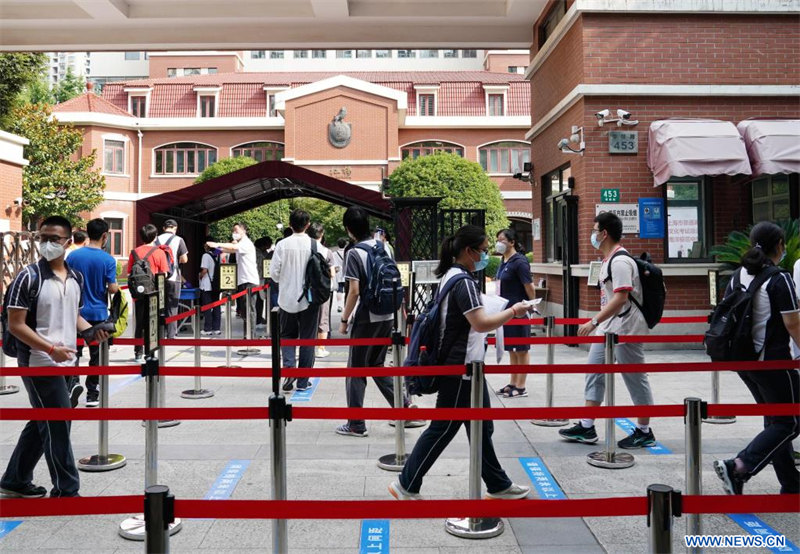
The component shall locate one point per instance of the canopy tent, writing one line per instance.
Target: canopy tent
(772, 144)
(695, 147)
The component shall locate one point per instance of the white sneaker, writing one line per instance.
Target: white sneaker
(217, 333)
(397, 490)
(206, 333)
(514, 492)
(322, 353)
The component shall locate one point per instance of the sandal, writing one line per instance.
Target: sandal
(516, 392)
(505, 390)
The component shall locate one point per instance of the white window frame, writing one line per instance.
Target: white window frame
(496, 89)
(428, 89)
(124, 217)
(207, 91)
(138, 92)
(273, 91)
(491, 142)
(118, 138)
(446, 141)
(235, 146)
(154, 175)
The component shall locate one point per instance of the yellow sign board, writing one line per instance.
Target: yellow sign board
(265, 268)
(405, 273)
(227, 277)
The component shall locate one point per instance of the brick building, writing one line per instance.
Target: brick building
(156, 135)
(669, 61)
(12, 161)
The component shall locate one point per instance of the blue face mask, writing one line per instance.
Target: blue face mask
(782, 257)
(595, 243)
(483, 262)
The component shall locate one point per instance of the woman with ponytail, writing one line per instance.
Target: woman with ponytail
(464, 324)
(776, 319)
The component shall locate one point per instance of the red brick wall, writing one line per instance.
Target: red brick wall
(499, 63)
(10, 189)
(691, 48)
(560, 73)
(226, 63)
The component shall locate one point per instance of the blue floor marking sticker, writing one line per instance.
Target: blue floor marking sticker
(374, 536)
(7, 526)
(755, 526)
(306, 395)
(116, 387)
(542, 479)
(628, 426)
(223, 487)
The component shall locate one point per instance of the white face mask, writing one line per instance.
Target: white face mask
(500, 247)
(51, 250)
(236, 236)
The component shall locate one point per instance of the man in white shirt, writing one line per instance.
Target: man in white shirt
(620, 292)
(298, 318)
(246, 269)
(180, 255)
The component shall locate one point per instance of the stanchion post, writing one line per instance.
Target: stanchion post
(280, 412)
(695, 409)
(609, 458)
(248, 325)
(102, 461)
(159, 513)
(663, 503)
(5, 389)
(228, 331)
(198, 391)
(471, 527)
(162, 380)
(550, 355)
(719, 420)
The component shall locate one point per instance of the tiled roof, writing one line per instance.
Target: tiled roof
(90, 102)
(461, 93)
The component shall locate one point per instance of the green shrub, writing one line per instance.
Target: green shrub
(738, 243)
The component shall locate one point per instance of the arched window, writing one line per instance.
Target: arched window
(504, 157)
(418, 149)
(184, 158)
(260, 151)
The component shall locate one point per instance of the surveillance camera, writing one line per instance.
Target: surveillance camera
(622, 114)
(18, 201)
(602, 114)
(563, 143)
(522, 177)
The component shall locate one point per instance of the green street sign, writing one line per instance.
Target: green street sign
(609, 195)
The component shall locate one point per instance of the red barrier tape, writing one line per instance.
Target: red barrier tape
(753, 409)
(124, 414)
(210, 343)
(178, 317)
(213, 305)
(664, 320)
(514, 341)
(259, 289)
(392, 509)
(660, 338)
(238, 294)
(534, 321)
(47, 371)
(769, 365)
(309, 372)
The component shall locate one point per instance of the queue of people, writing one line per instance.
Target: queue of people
(71, 298)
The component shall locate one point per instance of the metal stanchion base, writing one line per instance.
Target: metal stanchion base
(720, 420)
(474, 528)
(616, 460)
(9, 389)
(248, 351)
(133, 528)
(550, 422)
(229, 366)
(412, 424)
(197, 394)
(164, 423)
(96, 462)
(391, 462)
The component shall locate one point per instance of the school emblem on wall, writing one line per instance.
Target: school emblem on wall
(339, 132)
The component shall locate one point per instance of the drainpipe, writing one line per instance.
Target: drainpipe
(139, 163)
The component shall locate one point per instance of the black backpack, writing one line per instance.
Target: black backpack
(424, 342)
(317, 283)
(381, 296)
(730, 334)
(10, 342)
(141, 280)
(215, 283)
(654, 292)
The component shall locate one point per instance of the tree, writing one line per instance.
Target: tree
(69, 87)
(17, 69)
(263, 220)
(461, 183)
(37, 92)
(58, 180)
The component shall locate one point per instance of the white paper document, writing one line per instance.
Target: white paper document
(494, 305)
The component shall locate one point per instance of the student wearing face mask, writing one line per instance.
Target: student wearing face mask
(44, 320)
(776, 321)
(515, 285)
(619, 281)
(464, 326)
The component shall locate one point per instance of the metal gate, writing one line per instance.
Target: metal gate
(17, 249)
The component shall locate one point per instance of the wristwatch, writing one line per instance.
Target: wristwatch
(595, 322)
(344, 320)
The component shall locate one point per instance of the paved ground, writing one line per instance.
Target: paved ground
(323, 465)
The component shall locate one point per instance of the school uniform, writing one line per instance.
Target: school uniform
(461, 344)
(57, 308)
(774, 444)
(512, 276)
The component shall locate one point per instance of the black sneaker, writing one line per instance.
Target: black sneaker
(92, 399)
(638, 439)
(288, 383)
(75, 394)
(579, 433)
(305, 387)
(732, 482)
(28, 491)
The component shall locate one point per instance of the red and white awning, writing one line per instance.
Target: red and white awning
(772, 144)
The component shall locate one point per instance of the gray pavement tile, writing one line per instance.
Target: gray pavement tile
(565, 549)
(31, 534)
(483, 548)
(426, 532)
(552, 532)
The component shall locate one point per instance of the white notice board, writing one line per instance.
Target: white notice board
(628, 213)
